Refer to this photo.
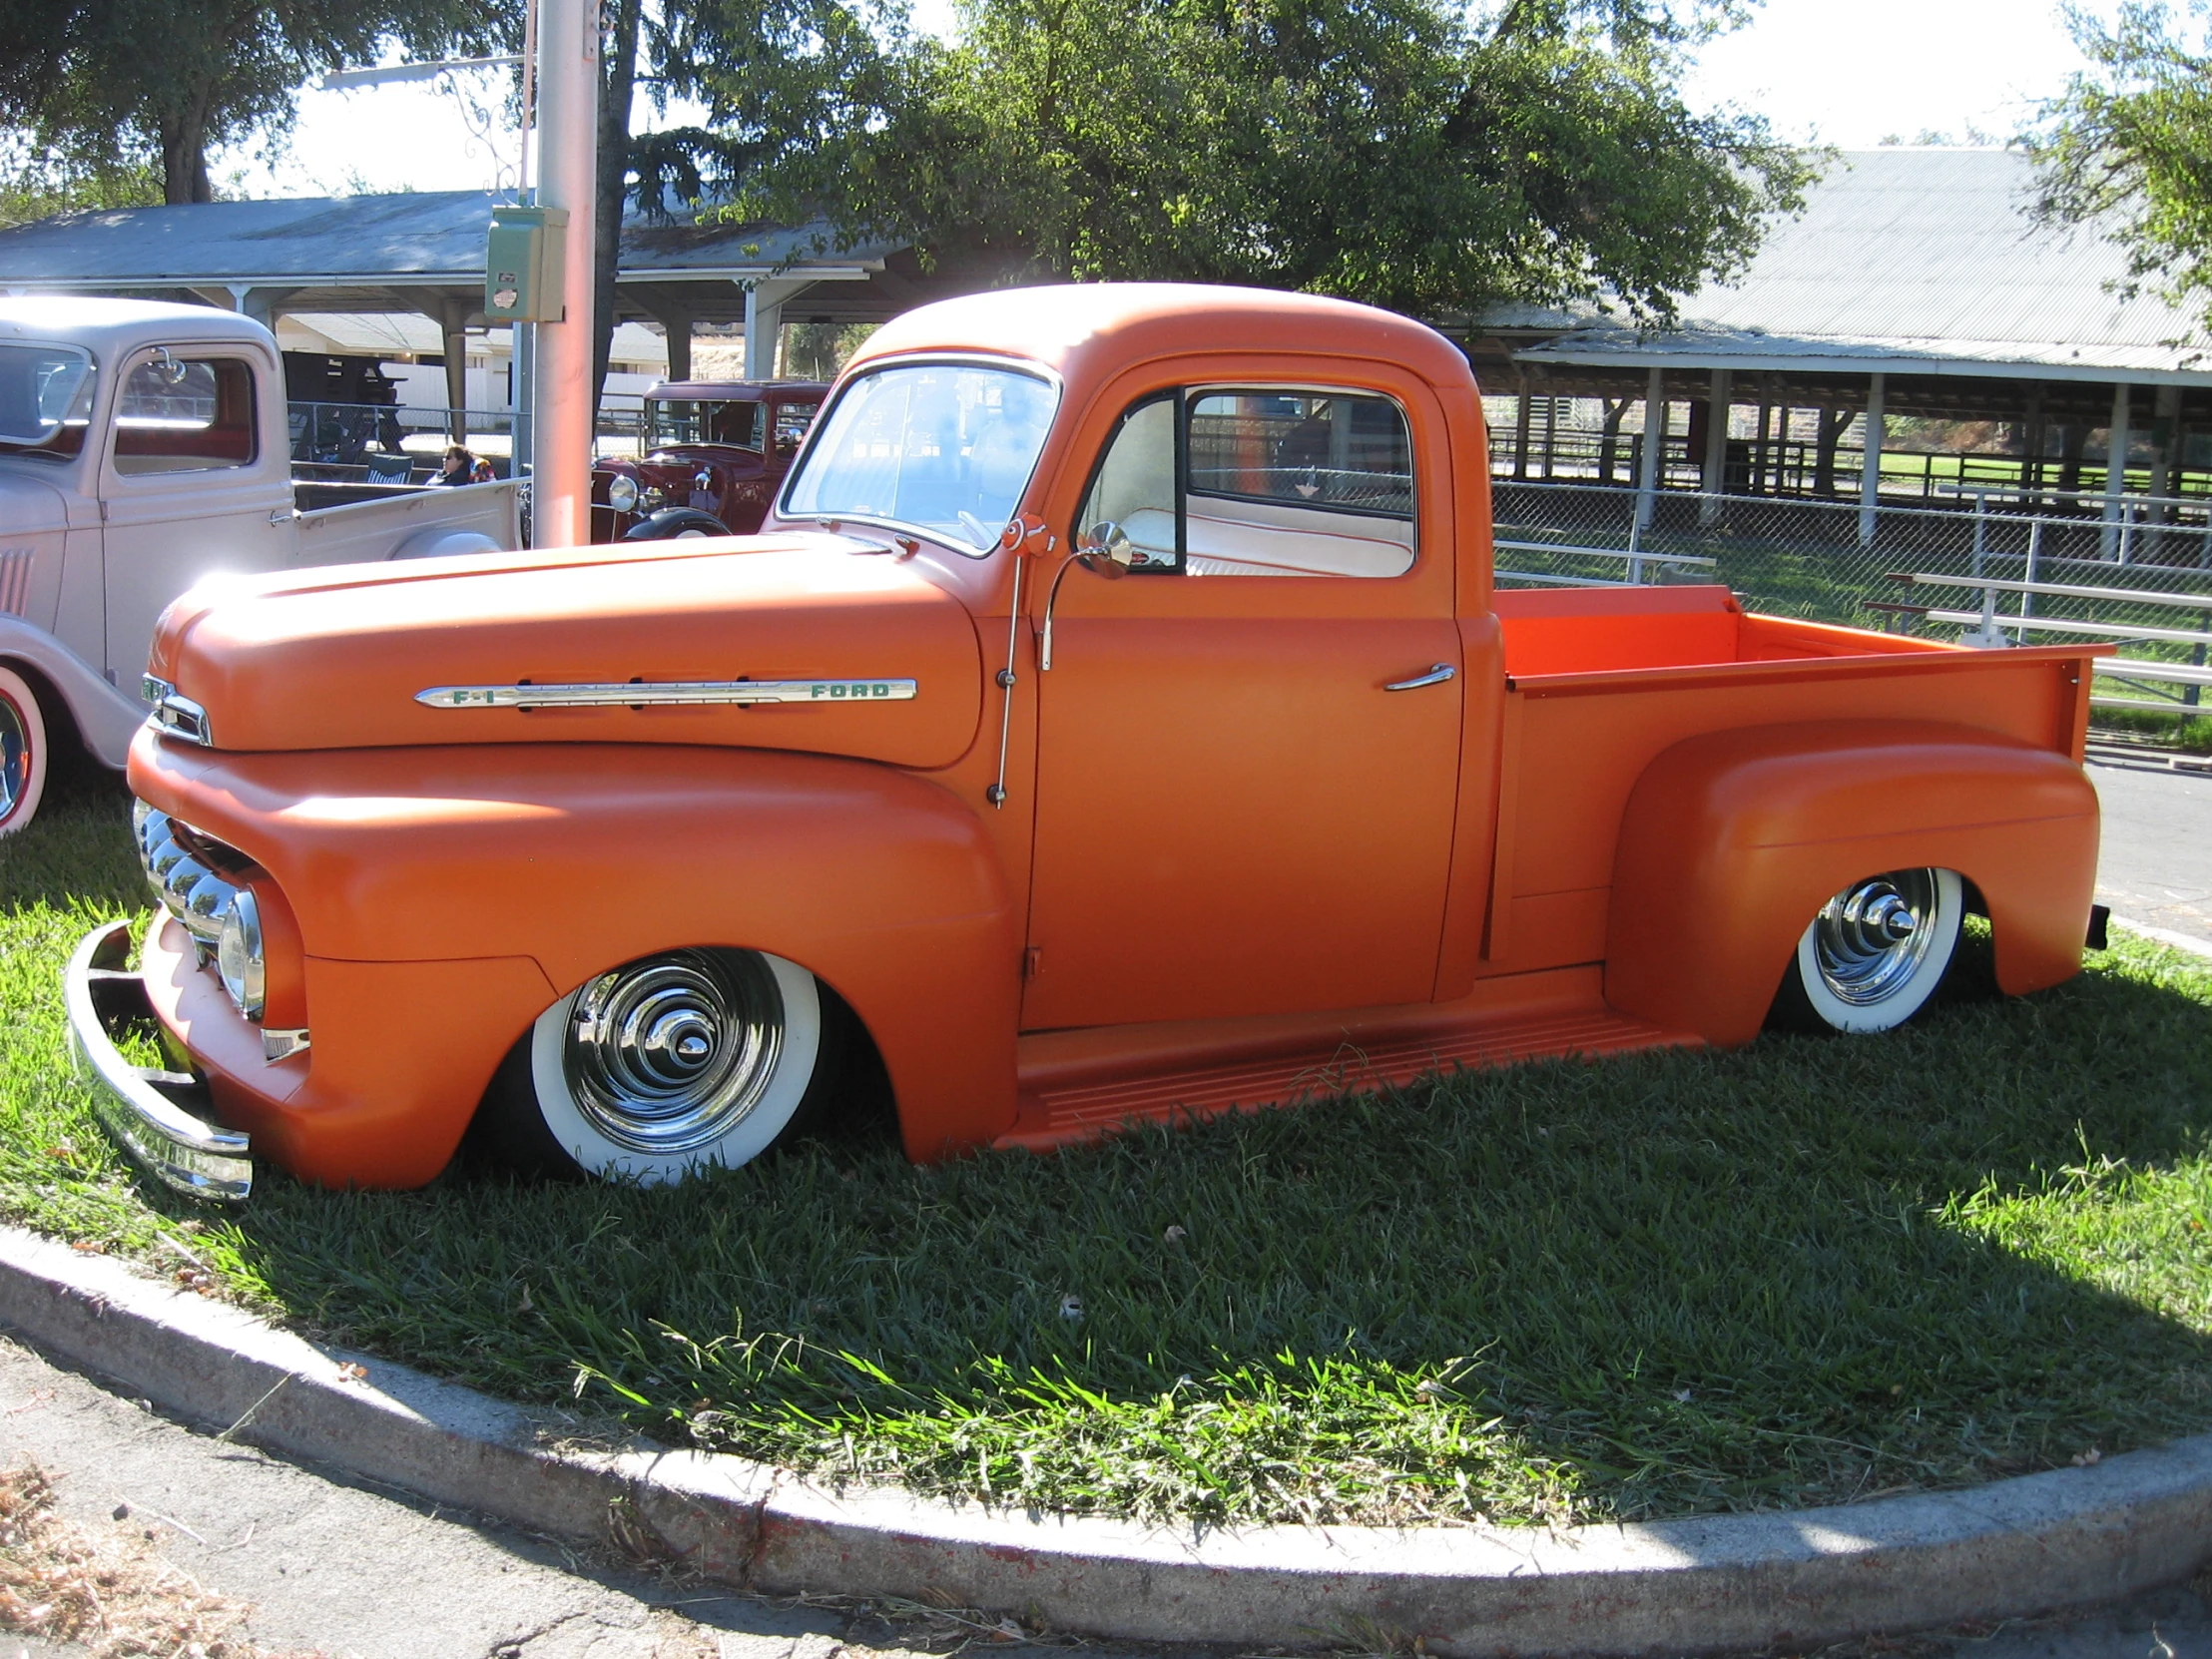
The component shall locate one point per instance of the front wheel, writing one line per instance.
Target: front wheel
(664, 1066)
(22, 751)
(1875, 954)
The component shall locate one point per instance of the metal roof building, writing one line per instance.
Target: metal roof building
(423, 251)
(1917, 281)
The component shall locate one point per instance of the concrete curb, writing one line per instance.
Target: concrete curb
(2166, 935)
(2032, 1544)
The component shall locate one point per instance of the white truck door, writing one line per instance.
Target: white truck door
(194, 481)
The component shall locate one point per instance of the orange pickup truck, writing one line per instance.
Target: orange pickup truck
(1114, 719)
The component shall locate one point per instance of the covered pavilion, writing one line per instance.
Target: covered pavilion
(1917, 282)
(423, 251)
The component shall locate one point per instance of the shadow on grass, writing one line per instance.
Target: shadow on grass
(1805, 1272)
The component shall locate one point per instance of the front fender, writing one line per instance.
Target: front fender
(1734, 840)
(583, 857)
(105, 716)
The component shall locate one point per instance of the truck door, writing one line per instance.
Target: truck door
(187, 487)
(1236, 814)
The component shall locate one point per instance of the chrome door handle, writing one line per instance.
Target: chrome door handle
(1435, 677)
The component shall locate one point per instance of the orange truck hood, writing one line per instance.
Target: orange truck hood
(333, 659)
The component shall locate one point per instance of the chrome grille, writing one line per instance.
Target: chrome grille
(195, 875)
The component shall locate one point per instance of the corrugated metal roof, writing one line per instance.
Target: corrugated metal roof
(421, 236)
(399, 334)
(1921, 260)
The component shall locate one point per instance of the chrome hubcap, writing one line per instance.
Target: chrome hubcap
(1870, 939)
(666, 1055)
(15, 758)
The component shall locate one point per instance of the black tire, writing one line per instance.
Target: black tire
(674, 523)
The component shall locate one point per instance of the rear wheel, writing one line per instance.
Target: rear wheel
(1875, 954)
(22, 751)
(665, 1066)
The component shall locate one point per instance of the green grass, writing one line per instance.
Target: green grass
(2183, 730)
(1656, 1285)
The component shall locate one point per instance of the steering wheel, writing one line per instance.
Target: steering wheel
(983, 533)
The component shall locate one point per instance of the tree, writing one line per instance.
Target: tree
(36, 182)
(137, 81)
(2130, 141)
(1393, 151)
(781, 83)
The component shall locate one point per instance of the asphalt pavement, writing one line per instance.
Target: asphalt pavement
(2156, 864)
(334, 1566)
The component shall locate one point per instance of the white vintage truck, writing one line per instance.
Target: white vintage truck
(143, 447)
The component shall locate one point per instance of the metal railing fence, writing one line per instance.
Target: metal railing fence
(1839, 562)
(1801, 467)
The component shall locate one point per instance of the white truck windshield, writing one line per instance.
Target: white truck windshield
(943, 447)
(45, 399)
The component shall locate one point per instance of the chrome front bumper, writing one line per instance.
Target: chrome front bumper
(152, 1113)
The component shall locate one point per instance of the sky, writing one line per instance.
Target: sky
(1846, 72)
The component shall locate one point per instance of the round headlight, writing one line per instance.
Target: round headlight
(237, 955)
(622, 492)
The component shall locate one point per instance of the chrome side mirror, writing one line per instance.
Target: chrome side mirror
(167, 369)
(1105, 549)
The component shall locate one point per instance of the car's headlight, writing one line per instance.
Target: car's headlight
(237, 955)
(622, 493)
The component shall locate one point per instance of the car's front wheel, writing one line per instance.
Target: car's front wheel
(1875, 954)
(22, 751)
(665, 1066)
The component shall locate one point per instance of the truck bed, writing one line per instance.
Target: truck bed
(1601, 681)
(1611, 677)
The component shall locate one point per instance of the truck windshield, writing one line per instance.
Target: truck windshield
(684, 420)
(943, 448)
(45, 401)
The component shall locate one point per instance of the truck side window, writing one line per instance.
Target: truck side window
(185, 414)
(1298, 483)
(1135, 484)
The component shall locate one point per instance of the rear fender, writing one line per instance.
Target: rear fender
(1733, 840)
(583, 857)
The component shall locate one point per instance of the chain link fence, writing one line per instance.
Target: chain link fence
(2133, 573)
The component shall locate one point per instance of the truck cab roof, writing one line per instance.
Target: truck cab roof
(113, 328)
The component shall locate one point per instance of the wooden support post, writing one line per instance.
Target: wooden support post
(1520, 430)
(1714, 480)
(2118, 439)
(1870, 473)
(1655, 443)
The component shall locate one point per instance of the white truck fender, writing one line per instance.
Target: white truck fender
(105, 717)
(437, 540)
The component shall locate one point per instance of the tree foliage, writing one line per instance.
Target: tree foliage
(1396, 151)
(778, 82)
(2130, 141)
(36, 182)
(165, 81)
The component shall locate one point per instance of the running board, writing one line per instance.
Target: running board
(1069, 1109)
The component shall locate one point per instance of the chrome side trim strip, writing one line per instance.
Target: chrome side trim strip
(179, 1149)
(635, 693)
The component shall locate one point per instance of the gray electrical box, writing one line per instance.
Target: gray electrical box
(523, 264)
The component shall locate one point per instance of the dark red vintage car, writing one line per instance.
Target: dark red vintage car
(715, 452)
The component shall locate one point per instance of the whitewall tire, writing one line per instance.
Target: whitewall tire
(1875, 952)
(22, 751)
(675, 1062)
